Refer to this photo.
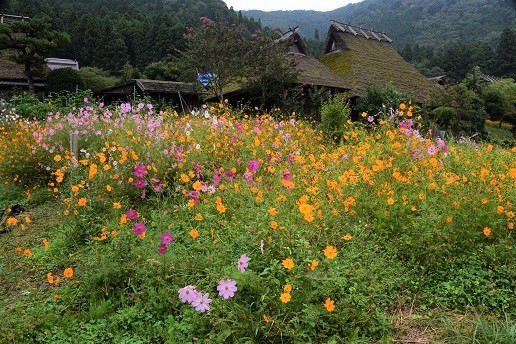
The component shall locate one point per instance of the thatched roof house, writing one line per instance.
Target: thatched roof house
(12, 75)
(311, 71)
(366, 58)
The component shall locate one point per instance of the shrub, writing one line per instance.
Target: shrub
(64, 79)
(334, 114)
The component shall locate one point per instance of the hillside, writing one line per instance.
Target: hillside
(426, 22)
(110, 33)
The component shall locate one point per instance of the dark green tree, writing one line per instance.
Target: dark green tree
(64, 79)
(30, 39)
(506, 54)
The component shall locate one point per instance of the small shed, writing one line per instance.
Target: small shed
(183, 94)
(365, 58)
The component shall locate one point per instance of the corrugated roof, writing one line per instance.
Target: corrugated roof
(365, 61)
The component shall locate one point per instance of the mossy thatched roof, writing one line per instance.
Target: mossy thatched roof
(311, 71)
(366, 58)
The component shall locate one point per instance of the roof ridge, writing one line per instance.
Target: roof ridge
(359, 30)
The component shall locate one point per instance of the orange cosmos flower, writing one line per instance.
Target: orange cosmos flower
(197, 186)
(82, 202)
(347, 237)
(390, 201)
(329, 304)
(199, 217)
(274, 225)
(50, 278)
(330, 252)
(27, 252)
(12, 221)
(117, 205)
(287, 288)
(68, 272)
(288, 263)
(487, 231)
(313, 265)
(285, 297)
(45, 243)
(194, 233)
(272, 211)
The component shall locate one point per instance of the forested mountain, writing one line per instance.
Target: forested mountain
(433, 23)
(110, 33)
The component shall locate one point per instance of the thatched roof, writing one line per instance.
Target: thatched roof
(311, 71)
(366, 58)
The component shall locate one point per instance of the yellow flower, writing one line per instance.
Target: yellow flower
(329, 304)
(390, 201)
(57, 158)
(109, 188)
(285, 297)
(347, 237)
(45, 243)
(27, 253)
(199, 217)
(330, 252)
(287, 288)
(274, 225)
(288, 263)
(273, 212)
(117, 205)
(123, 219)
(313, 264)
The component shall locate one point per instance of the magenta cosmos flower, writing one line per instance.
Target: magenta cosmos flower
(132, 214)
(227, 288)
(166, 238)
(162, 248)
(243, 263)
(202, 302)
(140, 171)
(139, 228)
(253, 166)
(188, 294)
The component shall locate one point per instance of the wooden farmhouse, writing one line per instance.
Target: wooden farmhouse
(185, 95)
(366, 58)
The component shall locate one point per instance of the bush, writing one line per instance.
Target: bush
(334, 114)
(64, 79)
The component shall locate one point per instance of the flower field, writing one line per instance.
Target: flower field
(219, 226)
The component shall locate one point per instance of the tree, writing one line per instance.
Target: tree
(506, 54)
(218, 49)
(30, 39)
(269, 69)
(64, 79)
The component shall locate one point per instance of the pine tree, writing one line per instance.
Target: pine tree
(29, 39)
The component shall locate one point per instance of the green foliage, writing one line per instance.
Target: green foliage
(163, 70)
(64, 79)
(506, 54)
(379, 100)
(334, 115)
(96, 79)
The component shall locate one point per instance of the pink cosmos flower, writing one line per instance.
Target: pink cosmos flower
(286, 175)
(140, 183)
(162, 248)
(132, 214)
(243, 263)
(139, 228)
(188, 294)
(202, 302)
(227, 288)
(166, 238)
(140, 171)
(253, 166)
(431, 150)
